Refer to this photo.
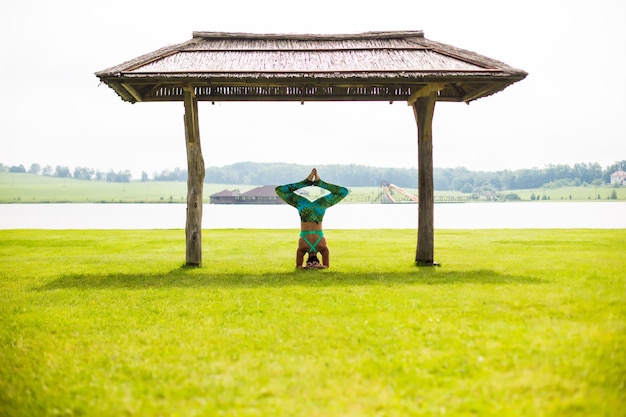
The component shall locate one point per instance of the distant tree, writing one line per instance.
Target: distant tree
(47, 170)
(617, 166)
(62, 172)
(121, 176)
(613, 195)
(82, 173)
(176, 175)
(621, 165)
(587, 173)
(17, 169)
(486, 190)
(144, 176)
(440, 183)
(125, 176)
(35, 169)
(461, 178)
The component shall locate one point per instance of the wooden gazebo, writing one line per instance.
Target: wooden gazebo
(371, 66)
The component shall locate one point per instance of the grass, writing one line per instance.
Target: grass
(514, 323)
(30, 188)
(582, 193)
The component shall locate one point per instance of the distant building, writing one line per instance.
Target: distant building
(225, 197)
(618, 177)
(259, 195)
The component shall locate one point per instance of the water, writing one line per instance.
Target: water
(545, 215)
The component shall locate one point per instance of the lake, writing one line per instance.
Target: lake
(514, 215)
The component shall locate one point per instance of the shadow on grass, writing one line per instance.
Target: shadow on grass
(199, 278)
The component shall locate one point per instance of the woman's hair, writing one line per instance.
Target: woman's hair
(312, 258)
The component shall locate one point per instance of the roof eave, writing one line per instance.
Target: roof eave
(457, 89)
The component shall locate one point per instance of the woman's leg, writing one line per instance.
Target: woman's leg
(323, 250)
(303, 248)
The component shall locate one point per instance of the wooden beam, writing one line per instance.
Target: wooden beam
(486, 89)
(131, 90)
(423, 109)
(425, 92)
(195, 179)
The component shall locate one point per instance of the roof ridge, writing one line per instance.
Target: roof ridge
(311, 36)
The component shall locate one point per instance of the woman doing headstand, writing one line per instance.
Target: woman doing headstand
(311, 213)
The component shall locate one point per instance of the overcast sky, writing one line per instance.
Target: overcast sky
(569, 109)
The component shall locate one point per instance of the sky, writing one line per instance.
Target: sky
(570, 109)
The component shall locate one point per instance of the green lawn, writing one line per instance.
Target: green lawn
(514, 323)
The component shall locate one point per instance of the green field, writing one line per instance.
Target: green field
(514, 323)
(582, 193)
(30, 188)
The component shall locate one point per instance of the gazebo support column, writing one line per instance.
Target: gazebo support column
(424, 108)
(195, 179)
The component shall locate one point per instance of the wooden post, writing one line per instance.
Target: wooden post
(195, 179)
(423, 109)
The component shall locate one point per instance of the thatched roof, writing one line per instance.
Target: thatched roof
(369, 66)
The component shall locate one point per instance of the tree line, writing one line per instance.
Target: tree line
(79, 173)
(445, 179)
(551, 176)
